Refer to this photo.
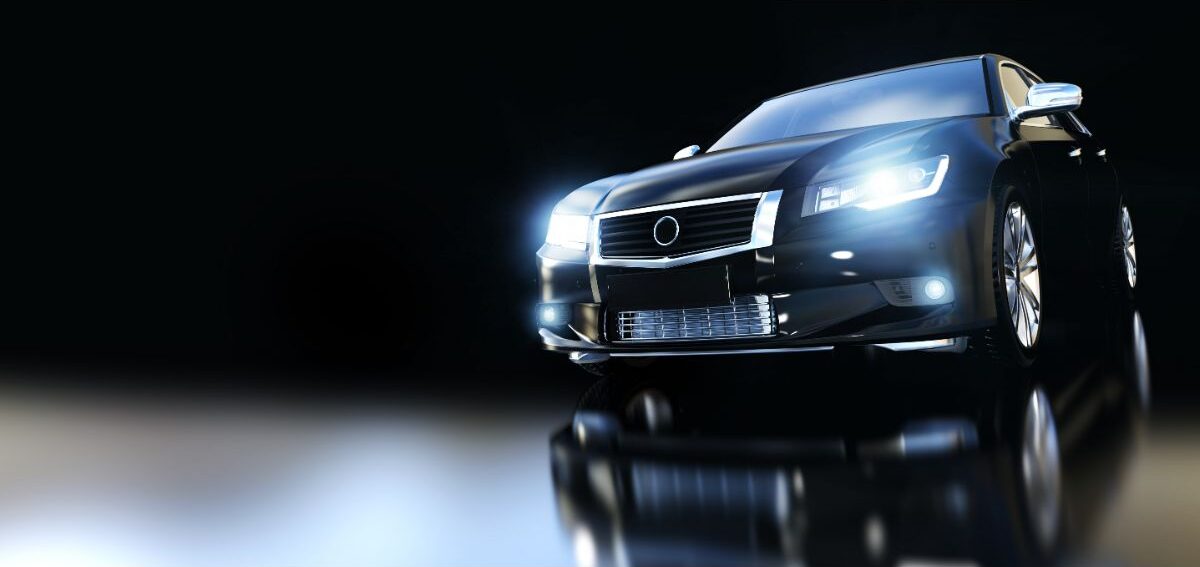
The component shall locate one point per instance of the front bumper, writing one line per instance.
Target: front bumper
(830, 282)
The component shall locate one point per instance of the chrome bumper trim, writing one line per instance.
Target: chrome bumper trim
(580, 357)
(721, 352)
(552, 340)
(955, 344)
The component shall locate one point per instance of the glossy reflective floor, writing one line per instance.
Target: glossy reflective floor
(906, 461)
(913, 459)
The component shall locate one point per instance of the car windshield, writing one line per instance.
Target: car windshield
(933, 91)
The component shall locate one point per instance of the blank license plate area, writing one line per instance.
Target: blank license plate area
(693, 287)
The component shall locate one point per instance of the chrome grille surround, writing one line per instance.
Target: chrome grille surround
(697, 229)
(746, 317)
(762, 232)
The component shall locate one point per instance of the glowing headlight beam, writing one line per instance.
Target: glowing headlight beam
(882, 184)
(879, 188)
(895, 197)
(568, 231)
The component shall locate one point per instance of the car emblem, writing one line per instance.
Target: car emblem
(666, 231)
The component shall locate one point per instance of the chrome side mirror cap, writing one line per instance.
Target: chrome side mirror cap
(687, 152)
(1049, 98)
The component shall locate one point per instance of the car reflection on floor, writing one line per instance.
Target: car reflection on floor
(908, 460)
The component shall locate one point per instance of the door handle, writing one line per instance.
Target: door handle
(1076, 152)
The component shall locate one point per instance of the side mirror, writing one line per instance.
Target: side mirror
(1049, 98)
(687, 152)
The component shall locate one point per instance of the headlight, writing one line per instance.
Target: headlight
(880, 188)
(568, 231)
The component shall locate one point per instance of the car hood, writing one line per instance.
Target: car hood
(794, 162)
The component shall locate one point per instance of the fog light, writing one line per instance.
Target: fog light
(935, 289)
(553, 314)
(918, 291)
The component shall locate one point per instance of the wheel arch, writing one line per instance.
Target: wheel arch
(1019, 170)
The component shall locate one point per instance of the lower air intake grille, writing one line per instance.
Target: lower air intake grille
(749, 316)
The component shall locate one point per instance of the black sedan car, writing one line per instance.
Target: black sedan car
(957, 205)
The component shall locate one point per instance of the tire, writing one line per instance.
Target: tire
(601, 369)
(1014, 338)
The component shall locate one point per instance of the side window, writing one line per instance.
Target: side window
(1016, 86)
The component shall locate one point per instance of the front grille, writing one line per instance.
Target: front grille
(750, 316)
(702, 227)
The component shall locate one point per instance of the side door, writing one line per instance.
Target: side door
(1104, 197)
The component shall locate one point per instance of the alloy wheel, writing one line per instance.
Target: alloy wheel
(1021, 279)
(1128, 249)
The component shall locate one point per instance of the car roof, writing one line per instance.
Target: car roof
(903, 68)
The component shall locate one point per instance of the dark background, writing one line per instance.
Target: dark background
(366, 192)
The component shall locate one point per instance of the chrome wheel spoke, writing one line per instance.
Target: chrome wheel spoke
(1010, 284)
(1031, 297)
(1021, 321)
(1033, 283)
(1029, 267)
(1030, 315)
(1027, 255)
(1033, 321)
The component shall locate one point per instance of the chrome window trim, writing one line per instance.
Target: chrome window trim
(1079, 124)
(762, 234)
(1048, 126)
